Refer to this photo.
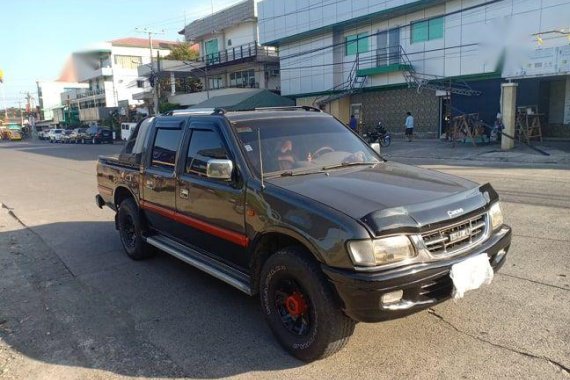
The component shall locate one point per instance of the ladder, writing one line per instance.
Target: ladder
(354, 84)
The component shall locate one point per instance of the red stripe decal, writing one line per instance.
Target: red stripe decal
(105, 190)
(231, 236)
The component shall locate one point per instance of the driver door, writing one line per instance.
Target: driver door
(211, 210)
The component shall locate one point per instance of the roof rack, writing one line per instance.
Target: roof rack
(188, 111)
(219, 111)
(289, 108)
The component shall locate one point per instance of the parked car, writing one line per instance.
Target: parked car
(291, 205)
(66, 137)
(15, 132)
(43, 134)
(97, 135)
(77, 135)
(126, 130)
(55, 135)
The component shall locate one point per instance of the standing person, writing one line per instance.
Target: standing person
(409, 126)
(353, 123)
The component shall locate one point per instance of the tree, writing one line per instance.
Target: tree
(183, 52)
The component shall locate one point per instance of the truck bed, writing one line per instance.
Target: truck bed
(116, 171)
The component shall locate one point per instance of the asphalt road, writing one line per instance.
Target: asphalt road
(72, 305)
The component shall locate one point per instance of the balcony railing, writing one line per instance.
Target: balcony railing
(239, 52)
(386, 60)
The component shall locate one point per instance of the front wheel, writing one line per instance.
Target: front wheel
(300, 306)
(386, 141)
(131, 231)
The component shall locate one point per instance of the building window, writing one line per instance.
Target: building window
(244, 78)
(215, 83)
(356, 43)
(427, 30)
(128, 61)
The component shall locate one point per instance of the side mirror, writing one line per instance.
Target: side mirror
(376, 147)
(220, 169)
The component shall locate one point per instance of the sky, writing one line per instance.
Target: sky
(37, 36)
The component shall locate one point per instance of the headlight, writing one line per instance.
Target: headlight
(496, 216)
(381, 251)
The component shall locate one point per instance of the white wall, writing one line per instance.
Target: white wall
(240, 34)
(51, 94)
(303, 73)
(124, 83)
(280, 19)
(473, 43)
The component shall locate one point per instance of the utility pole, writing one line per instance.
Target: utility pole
(21, 113)
(153, 73)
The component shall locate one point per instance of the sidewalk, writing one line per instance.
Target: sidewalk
(433, 149)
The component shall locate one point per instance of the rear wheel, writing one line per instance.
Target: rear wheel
(300, 306)
(131, 231)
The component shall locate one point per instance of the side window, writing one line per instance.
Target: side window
(164, 148)
(205, 144)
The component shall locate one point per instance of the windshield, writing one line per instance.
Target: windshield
(301, 144)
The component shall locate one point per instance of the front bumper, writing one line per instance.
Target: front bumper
(423, 284)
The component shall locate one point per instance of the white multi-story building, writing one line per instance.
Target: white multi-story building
(49, 95)
(110, 71)
(231, 58)
(362, 57)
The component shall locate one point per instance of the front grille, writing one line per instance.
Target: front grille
(462, 235)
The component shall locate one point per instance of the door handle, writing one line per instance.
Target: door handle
(184, 193)
(149, 184)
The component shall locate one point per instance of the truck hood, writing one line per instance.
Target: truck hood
(390, 195)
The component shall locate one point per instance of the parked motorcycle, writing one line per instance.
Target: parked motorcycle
(379, 134)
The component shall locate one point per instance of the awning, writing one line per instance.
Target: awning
(246, 101)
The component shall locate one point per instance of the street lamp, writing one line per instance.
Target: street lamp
(205, 72)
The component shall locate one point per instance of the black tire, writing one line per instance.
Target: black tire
(131, 231)
(309, 322)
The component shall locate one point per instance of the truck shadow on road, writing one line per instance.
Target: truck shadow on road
(74, 299)
(75, 152)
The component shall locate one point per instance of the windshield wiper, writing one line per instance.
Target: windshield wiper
(290, 173)
(346, 164)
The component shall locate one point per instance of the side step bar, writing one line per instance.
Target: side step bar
(214, 268)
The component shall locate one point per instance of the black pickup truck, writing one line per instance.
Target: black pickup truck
(291, 205)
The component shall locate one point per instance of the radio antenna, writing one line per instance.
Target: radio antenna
(260, 158)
